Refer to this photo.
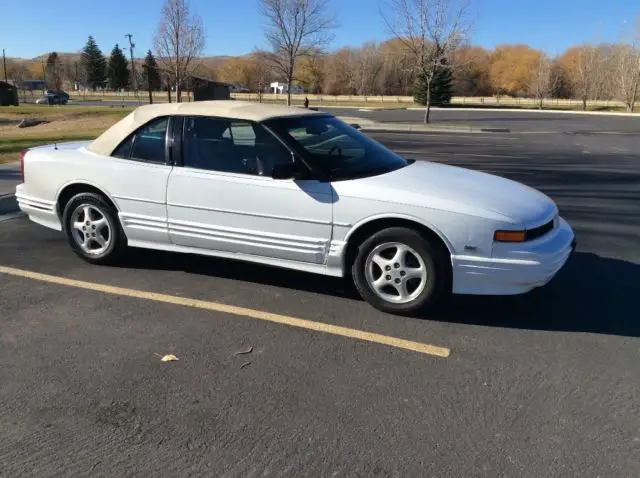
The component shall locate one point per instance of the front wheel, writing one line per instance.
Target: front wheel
(92, 229)
(399, 271)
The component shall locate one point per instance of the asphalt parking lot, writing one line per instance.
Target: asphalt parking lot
(539, 385)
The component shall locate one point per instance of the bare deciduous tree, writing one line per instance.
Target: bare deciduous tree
(262, 72)
(541, 80)
(431, 31)
(369, 64)
(295, 28)
(627, 69)
(311, 71)
(179, 40)
(586, 74)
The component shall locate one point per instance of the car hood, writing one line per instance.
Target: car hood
(451, 188)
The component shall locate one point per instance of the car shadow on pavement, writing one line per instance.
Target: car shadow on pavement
(591, 294)
(241, 271)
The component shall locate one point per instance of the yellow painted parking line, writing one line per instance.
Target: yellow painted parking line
(230, 309)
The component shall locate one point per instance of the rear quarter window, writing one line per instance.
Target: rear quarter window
(146, 144)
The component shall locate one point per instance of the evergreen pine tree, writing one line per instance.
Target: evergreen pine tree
(117, 70)
(440, 87)
(150, 73)
(52, 72)
(93, 64)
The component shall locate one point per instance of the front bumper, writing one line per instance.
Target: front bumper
(518, 270)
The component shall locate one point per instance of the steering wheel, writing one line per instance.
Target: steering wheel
(336, 147)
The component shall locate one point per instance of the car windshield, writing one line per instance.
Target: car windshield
(337, 147)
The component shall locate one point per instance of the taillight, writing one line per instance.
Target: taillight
(22, 154)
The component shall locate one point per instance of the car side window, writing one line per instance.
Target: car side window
(146, 144)
(149, 143)
(233, 146)
(124, 149)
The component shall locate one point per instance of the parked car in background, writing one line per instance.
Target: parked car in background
(54, 98)
(299, 189)
(239, 89)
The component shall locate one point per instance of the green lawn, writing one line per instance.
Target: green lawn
(65, 123)
(65, 110)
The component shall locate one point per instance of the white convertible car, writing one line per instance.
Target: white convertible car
(294, 188)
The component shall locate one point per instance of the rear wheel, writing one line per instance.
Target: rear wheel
(399, 271)
(92, 229)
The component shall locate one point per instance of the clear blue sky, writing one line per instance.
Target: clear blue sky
(33, 27)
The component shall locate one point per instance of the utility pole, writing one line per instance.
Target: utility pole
(133, 70)
(44, 77)
(4, 61)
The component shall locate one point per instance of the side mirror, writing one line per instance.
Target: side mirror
(283, 171)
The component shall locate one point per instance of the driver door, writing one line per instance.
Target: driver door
(223, 197)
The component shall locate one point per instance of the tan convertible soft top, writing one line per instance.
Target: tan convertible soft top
(245, 110)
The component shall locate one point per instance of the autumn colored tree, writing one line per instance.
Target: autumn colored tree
(239, 71)
(562, 87)
(472, 78)
(397, 75)
(17, 71)
(511, 67)
(340, 76)
(311, 72)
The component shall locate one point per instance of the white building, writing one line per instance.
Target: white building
(281, 88)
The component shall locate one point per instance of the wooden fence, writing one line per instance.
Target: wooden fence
(373, 101)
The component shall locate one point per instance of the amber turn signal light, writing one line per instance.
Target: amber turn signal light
(510, 236)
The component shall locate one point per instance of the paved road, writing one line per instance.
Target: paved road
(540, 385)
(9, 177)
(527, 121)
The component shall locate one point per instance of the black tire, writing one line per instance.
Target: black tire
(435, 260)
(117, 244)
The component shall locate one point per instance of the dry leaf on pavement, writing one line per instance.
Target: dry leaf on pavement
(168, 358)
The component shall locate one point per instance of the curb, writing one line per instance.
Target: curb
(368, 108)
(418, 128)
(366, 124)
(8, 204)
(527, 110)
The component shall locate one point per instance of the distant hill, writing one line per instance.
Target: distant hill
(67, 56)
